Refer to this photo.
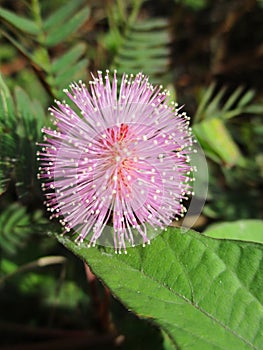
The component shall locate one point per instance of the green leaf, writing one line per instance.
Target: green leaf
(23, 50)
(213, 108)
(244, 230)
(30, 119)
(204, 101)
(7, 267)
(254, 109)
(232, 99)
(16, 226)
(214, 137)
(157, 52)
(23, 24)
(151, 23)
(135, 66)
(160, 36)
(6, 101)
(20, 128)
(7, 143)
(246, 98)
(205, 293)
(23, 103)
(62, 14)
(194, 4)
(167, 342)
(212, 105)
(75, 73)
(68, 59)
(144, 48)
(56, 36)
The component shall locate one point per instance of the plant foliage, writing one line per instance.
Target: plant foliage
(203, 292)
(144, 47)
(16, 227)
(44, 36)
(21, 121)
(211, 122)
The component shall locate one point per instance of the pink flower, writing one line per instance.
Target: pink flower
(120, 155)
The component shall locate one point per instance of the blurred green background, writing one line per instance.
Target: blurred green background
(208, 53)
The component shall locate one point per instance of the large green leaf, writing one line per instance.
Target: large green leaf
(205, 293)
(244, 230)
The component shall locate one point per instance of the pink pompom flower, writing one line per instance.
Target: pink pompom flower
(118, 156)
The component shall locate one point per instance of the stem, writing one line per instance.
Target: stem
(45, 261)
(136, 5)
(42, 50)
(135, 10)
(41, 36)
(42, 339)
(100, 305)
(122, 10)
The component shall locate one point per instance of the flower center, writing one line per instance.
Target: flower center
(120, 144)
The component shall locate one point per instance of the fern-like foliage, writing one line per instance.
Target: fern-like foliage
(16, 225)
(137, 44)
(7, 143)
(210, 122)
(144, 47)
(21, 121)
(36, 37)
(215, 104)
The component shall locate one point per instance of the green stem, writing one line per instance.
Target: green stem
(122, 10)
(135, 10)
(42, 50)
(136, 5)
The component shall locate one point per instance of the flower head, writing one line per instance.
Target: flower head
(121, 155)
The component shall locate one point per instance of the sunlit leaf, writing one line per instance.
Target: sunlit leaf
(244, 230)
(205, 293)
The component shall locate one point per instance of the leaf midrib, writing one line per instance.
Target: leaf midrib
(172, 291)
